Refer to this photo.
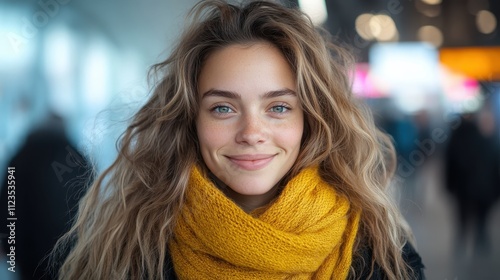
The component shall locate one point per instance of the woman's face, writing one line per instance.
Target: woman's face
(250, 122)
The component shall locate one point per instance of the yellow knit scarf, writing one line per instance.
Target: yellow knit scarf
(308, 232)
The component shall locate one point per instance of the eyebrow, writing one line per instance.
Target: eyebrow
(234, 95)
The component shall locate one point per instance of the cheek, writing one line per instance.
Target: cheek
(211, 136)
(290, 137)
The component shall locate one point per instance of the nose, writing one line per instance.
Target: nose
(253, 130)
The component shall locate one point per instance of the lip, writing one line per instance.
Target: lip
(251, 162)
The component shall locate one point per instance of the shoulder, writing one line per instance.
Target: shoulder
(362, 264)
(413, 259)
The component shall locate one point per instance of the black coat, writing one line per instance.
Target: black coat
(410, 255)
(50, 176)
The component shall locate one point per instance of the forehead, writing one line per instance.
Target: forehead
(256, 67)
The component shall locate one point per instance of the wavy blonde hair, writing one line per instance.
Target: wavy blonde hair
(127, 217)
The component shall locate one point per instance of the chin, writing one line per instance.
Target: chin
(248, 188)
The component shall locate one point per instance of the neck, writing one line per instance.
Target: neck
(247, 202)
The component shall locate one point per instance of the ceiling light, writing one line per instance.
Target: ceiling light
(430, 34)
(486, 22)
(432, 2)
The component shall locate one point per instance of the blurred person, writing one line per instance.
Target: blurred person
(403, 130)
(473, 177)
(251, 160)
(49, 176)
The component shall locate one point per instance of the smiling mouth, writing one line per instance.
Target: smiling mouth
(251, 162)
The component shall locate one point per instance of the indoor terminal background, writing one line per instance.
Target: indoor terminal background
(420, 64)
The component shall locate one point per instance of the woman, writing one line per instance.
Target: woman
(250, 160)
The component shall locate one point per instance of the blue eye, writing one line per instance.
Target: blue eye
(222, 110)
(279, 109)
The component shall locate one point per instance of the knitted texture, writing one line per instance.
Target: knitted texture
(308, 232)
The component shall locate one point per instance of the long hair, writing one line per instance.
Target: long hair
(127, 217)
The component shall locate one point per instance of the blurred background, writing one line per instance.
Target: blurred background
(73, 72)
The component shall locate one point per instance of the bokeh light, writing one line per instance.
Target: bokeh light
(430, 34)
(486, 22)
